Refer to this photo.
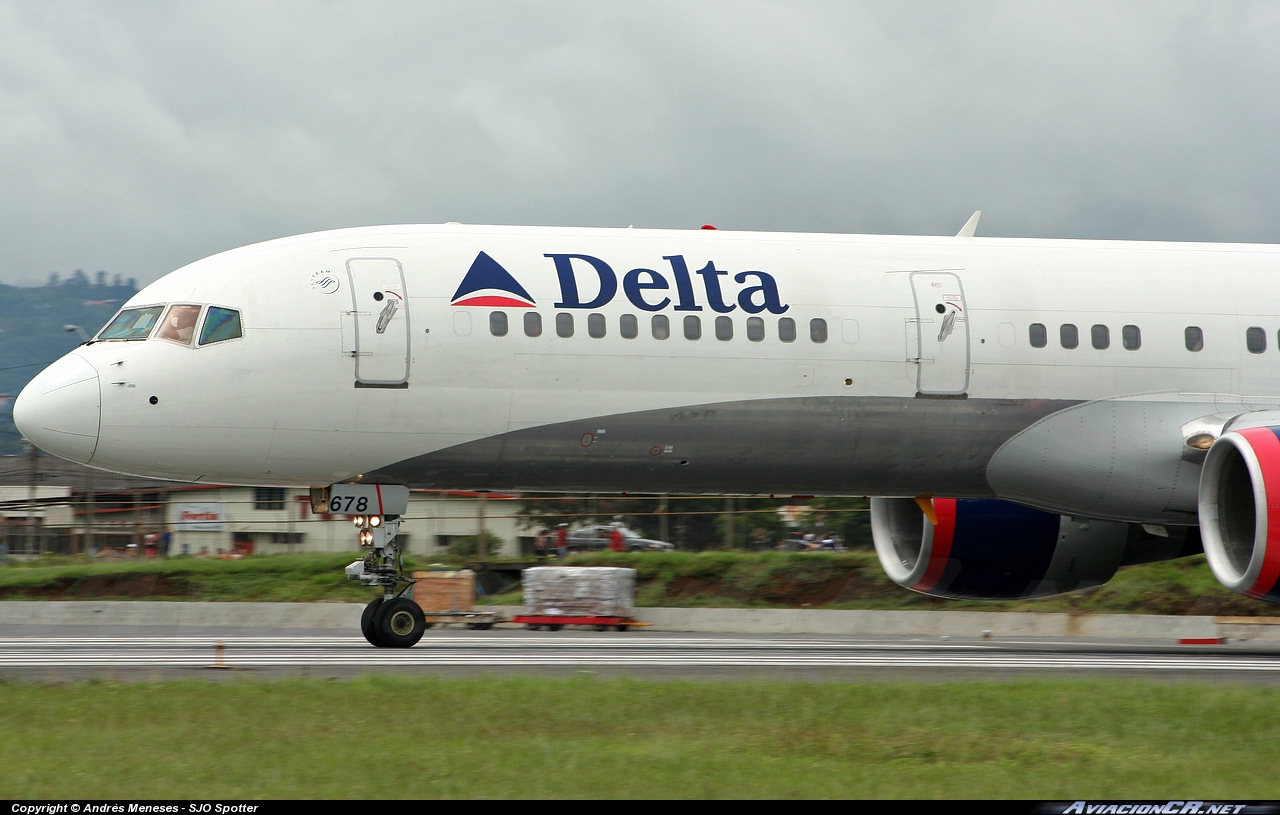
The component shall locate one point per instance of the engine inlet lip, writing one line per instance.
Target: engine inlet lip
(1211, 519)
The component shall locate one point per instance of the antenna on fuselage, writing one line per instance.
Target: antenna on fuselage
(970, 226)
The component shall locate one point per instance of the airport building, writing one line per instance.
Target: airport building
(48, 505)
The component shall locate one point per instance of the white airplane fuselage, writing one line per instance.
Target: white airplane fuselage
(912, 368)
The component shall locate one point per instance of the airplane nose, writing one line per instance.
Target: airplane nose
(59, 410)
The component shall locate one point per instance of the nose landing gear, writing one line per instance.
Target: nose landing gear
(393, 620)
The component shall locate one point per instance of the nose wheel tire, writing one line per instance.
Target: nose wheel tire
(399, 623)
(366, 622)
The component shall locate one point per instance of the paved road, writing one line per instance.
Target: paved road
(661, 655)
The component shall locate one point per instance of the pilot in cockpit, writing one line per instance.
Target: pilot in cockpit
(179, 324)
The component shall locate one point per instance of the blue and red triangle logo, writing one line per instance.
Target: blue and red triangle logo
(488, 284)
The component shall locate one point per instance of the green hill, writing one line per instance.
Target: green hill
(32, 330)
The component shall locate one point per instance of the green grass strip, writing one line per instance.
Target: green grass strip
(278, 578)
(852, 580)
(519, 737)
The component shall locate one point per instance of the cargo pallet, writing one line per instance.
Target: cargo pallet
(475, 620)
(535, 622)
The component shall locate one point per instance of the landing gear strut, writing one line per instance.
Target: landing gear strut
(392, 620)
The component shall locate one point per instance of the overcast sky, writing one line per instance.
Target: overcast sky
(136, 137)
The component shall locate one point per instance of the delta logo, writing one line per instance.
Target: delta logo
(486, 283)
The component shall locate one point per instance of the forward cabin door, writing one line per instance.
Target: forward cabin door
(943, 326)
(380, 322)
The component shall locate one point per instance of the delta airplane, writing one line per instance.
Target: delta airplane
(1032, 414)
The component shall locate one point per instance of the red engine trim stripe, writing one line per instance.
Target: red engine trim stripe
(943, 534)
(1266, 446)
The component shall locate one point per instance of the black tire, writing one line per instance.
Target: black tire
(399, 623)
(366, 622)
(554, 627)
(622, 627)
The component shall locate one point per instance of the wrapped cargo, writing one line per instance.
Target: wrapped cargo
(581, 591)
(444, 591)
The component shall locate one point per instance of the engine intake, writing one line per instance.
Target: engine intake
(1240, 511)
(983, 549)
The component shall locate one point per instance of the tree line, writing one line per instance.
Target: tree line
(79, 278)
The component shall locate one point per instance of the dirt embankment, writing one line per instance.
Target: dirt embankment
(855, 580)
(125, 586)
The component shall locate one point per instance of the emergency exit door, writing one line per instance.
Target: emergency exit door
(943, 334)
(379, 308)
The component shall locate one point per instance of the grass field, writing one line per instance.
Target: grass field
(382, 737)
(281, 578)
(719, 579)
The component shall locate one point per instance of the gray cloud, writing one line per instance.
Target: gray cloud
(136, 137)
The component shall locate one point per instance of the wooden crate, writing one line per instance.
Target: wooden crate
(445, 591)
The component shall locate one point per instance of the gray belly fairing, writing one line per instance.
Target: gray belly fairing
(827, 445)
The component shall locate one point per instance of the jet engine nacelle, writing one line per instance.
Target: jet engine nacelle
(982, 549)
(1240, 511)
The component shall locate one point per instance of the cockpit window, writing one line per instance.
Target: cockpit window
(179, 324)
(220, 324)
(132, 324)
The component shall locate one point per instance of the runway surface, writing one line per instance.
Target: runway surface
(144, 655)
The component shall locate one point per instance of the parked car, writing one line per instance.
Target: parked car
(596, 538)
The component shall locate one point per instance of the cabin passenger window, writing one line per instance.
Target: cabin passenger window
(498, 323)
(692, 328)
(532, 324)
(628, 327)
(179, 324)
(818, 330)
(1255, 339)
(1039, 335)
(755, 329)
(849, 329)
(1131, 337)
(660, 326)
(220, 324)
(462, 323)
(1194, 338)
(1069, 335)
(564, 325)
(724, 328)
(595, 326)
(1100, 335)
(787, 329)
(132, 324)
